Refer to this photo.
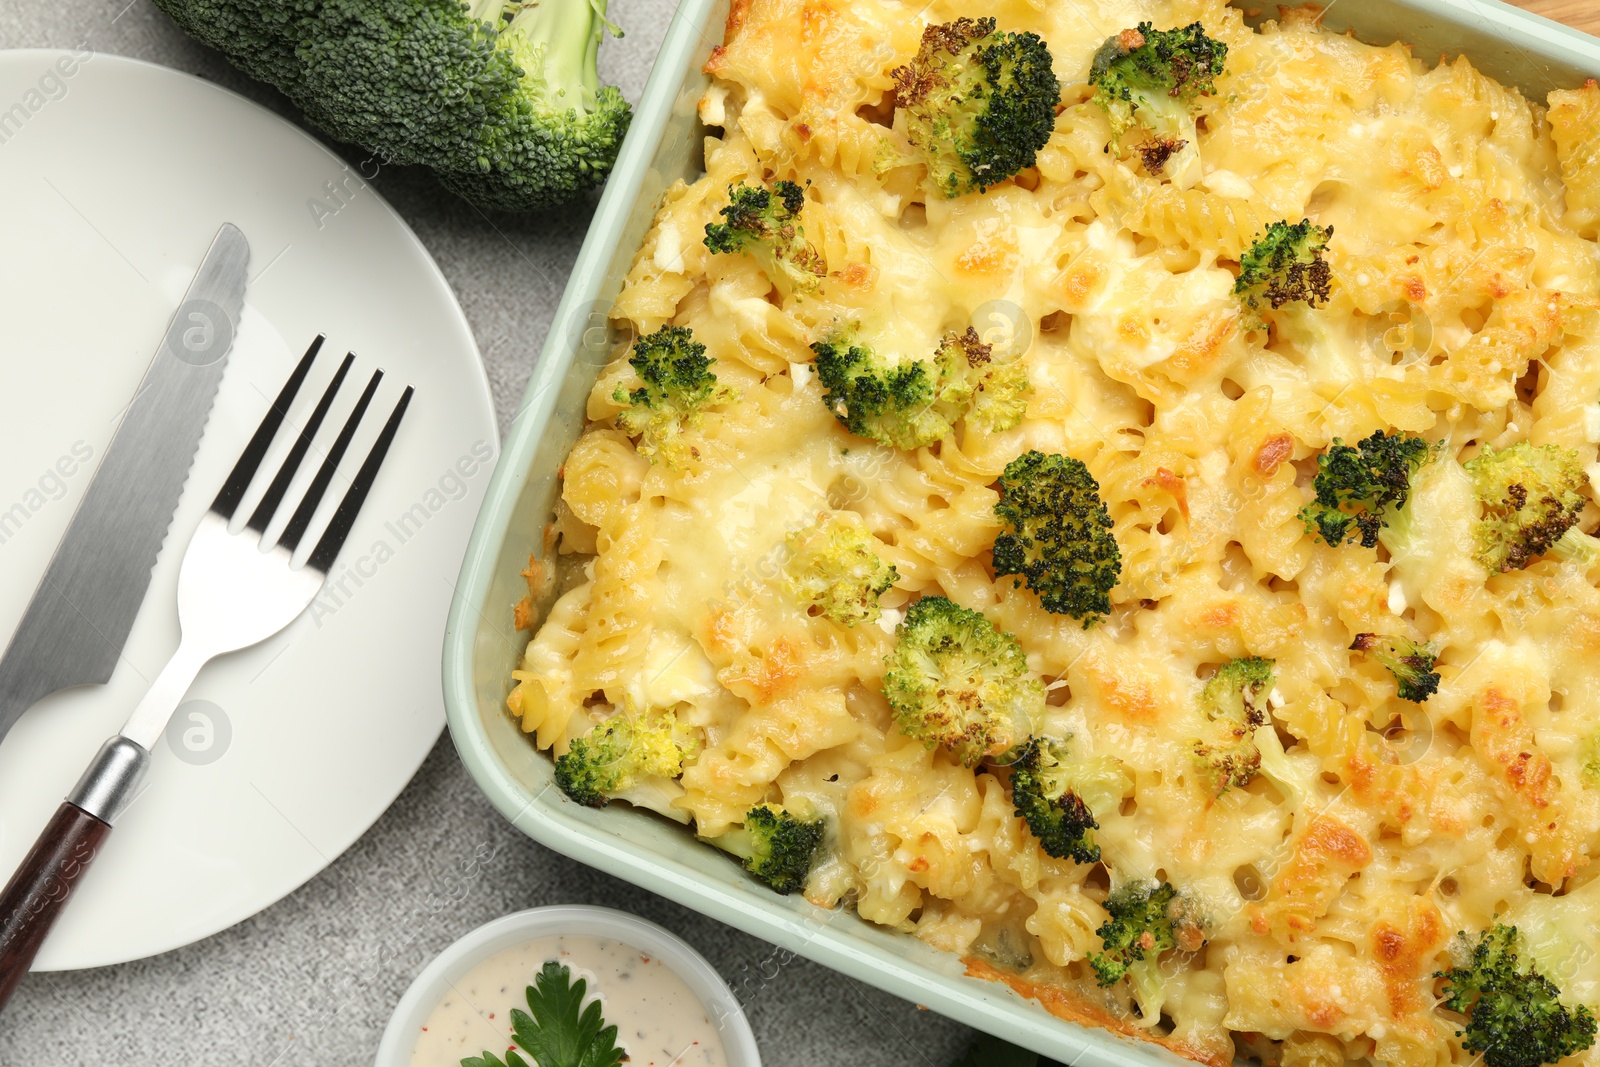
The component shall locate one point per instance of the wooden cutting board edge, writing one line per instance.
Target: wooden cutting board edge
(1579, 14)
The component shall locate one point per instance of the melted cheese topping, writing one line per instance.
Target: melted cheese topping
(1464, 308)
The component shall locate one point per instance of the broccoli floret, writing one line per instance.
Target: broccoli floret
(1235, 701)
(1058, 535)
(500, 98)
(1411, 663)
(775, 845)
(832, 566)
(1285, 265)
(1531, 496)
(1147, 918)
(678, 386)
(1515, 1016)
(954, 679)
(994, 391)
(979, 102)
(628, 757)
(1356, 485)
(1042, 795)
(1152, 78)
(765, 224)
(914, 403)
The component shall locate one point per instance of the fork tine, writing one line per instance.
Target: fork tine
(250, 459)
(333, 537)
(319, 485)
(291, 463)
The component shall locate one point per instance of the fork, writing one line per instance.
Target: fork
(231, 595)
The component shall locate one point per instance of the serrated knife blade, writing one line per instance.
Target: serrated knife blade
(74, 628)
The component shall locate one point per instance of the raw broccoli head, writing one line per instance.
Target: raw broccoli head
(1514, 1014)
(1043, 798)
(1411, 663)
(1235, 701)
(979, 102)
(765, 223)
(1058, 535)
(1356, 485)
(776, 846)
(678, 385)
(953, 679)
(621, 751)
(833, 567)
(1285, 265)
(1147, 918)
(1531, 496)
(1152, 78)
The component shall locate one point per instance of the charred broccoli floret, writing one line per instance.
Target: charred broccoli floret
(1411, 663)
(1042, 794)
(954, 679)
(1286, 265)
(833, 567)
(632, 757)
(775, 845)
(979, 102)
(993, 391)
(1515, 1016)
(678, 386)
(1058, 535)
(1147, 918)
(1235, 701)
(1356, 485)
(1152, 78)
(1531, 496)
(765, 224)
(915, 402)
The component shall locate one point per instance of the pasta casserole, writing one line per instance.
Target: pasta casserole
(1107, 488)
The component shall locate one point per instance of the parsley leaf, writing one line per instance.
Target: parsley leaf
(561, 1032)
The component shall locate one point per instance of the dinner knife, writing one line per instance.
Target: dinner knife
(74, 628)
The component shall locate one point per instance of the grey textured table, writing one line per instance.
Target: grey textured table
(312, 979)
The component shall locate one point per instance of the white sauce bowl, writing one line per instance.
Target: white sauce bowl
(451, 965)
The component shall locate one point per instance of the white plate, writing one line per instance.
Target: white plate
(115, 177)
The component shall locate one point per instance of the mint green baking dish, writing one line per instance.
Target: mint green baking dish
(481, 649)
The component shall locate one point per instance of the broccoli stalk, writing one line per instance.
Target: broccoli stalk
(1411, 663)
(775, 845)
(636, 758)
(500, 98)
(1515, 1016)
(1531, 496)
(954, 679)
(1356, 486)
(833, 568)
(678, 386)
(978, 102)
(1152, 79)
(1043, 796)
(764, 224)
(1234, 700)
(1058, 535)
(913, 403)
(1285, 265)
(1147, 918)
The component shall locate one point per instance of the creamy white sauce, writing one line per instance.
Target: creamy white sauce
(659, 1020)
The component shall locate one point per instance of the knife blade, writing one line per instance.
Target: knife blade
(74, 628)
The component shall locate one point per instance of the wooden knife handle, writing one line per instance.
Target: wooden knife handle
(40, 888)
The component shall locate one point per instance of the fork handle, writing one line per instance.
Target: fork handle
(61, 856)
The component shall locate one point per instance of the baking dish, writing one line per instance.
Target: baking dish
(482, 648)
